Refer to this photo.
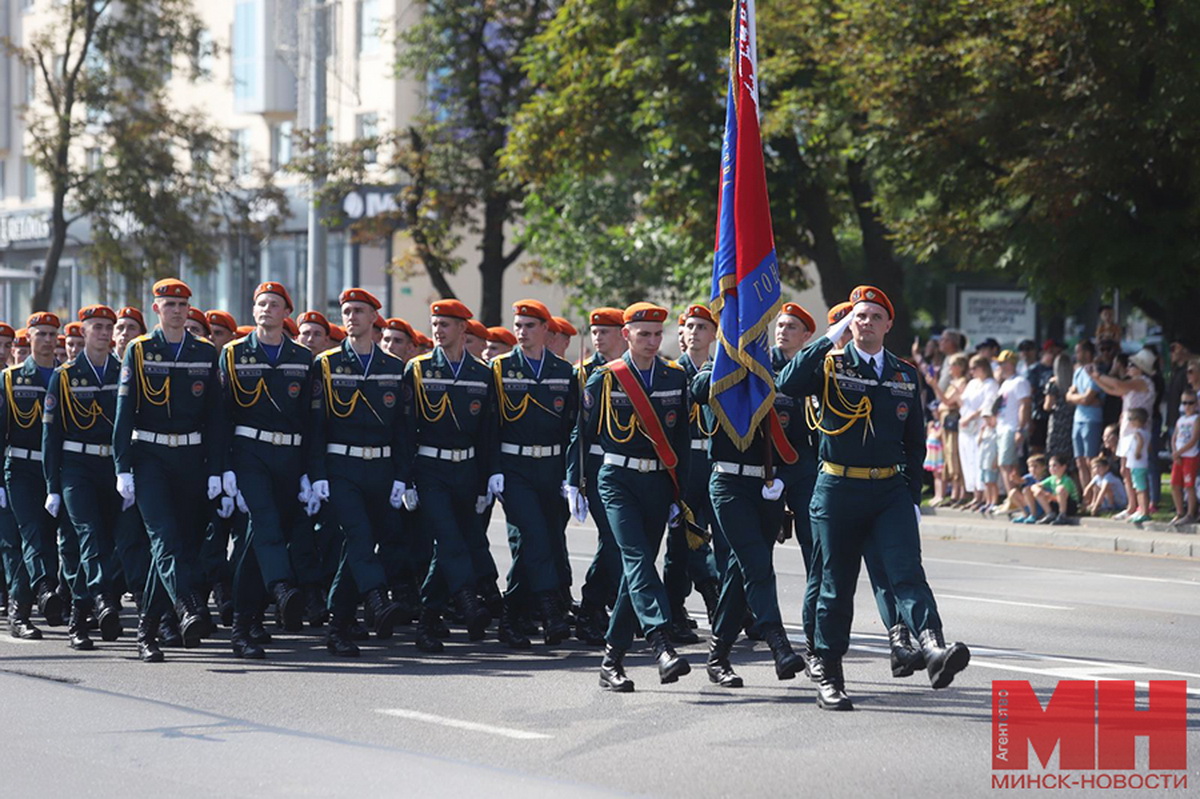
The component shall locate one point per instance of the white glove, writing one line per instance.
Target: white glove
(320, 490)
(225, 507)
(397, 497)
(3, 498)
(125, 486)
(576, 502)
(773, 490)
(312, 507)
(126, 503)
(496, 485)
(838, 329)
(305, 490)
(214, 487)
(53, 504)
(673, 514)
(482, 502)
(411, 500)
(229, 484)
(241, 503)
(917, 510)
(566, 490)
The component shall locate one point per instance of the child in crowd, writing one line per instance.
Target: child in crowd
(1036, 474)
(1185, 449)
(1106, 492)
(1134, 449)
(1057, 495)
(989, 466)
(935, 460)
(1110, 441)
(1107, 327)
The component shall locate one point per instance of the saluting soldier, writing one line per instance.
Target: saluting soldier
(359, 461)
(266, 393)
(456, 469)
(636, 408)
(872, 446)
(77, 455)
(538, 400)
(163, 439)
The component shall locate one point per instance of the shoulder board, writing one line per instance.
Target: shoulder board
(142, 338)
(480, 361)
(329, 353)
(204, 340)
(503, 356)
(237, 341)
(421, 358)
(387, 356)
(836, 352)
(674, 365)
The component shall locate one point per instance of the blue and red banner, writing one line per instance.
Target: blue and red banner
(746, 293)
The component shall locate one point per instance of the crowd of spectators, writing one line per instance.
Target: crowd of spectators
(1043, 433)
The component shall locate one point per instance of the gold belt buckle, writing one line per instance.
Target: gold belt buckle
(874, 473)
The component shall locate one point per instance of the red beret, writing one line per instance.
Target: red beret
(42, 318)
(222, 318)
(271, 287)
(501, 335)
(423, 340)
(532, 308)
(129, 312)
(450, 308)
(793, 309)
(396, 323)
(644, 312)
(290, 326)
(359, 295)
(337, 332)
(698, 310)
(477, 329)
(97, 312)
(21, 339)
(315, 318)
(565, 327)
(7, 331)
(244, 330)
(378, 321)
(606, 317)
(872, 294)
(197, 315)
(62, 341)
(838, 312)
(172, 287)
(73, 329)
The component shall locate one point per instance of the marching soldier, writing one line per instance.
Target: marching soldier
(359, 461)
(20, 347)
(222, 328)
(73, 339)
(266, 392)
(456, 468)
(636, 408)
(500, 341)
(538, 400)
(398, 339)
(163, 439)
(476, 338)
(561, 333)
(872, 445)
(77, 457)
(130, 324)
(10, 538)
(314, 332)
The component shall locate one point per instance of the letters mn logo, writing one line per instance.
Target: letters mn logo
(1093, 724)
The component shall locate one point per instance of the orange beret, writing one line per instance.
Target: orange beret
(452, 308)
(172, 287)
(838, 312)
(73, 329)
(315, 318)
(42, 318)
(7, 331)
(62, 341)
(532, 308)
(396, 323)
(244, 330)
(565, 327)
(96, 312)
(21, 339)
(337, 332)
(197, 315)
(423, 340)
(644, 312)
(697, 310)
(477, 329)
(606, 317)
(222, 318)
(378, 321)
(359, 295)
(793, 309)
(271, 287)
(501, 335)
(129, 312)
(872, 294)
(290, 327)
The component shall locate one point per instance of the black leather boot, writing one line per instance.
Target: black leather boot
(239, 638)
(812, 664)
(77, 628)
(591, 624)
(719, 669)
(357, 630)
(147, 640)
(222, 594)
(194, 621)
(108, 617)
(490, 596)
(905, 659)
(427, 628)
(787, 662)
(831, 690)
(167, 631)
(338, 640)
(554, 627)
(681, 631)
(385, 611)
(612, 672)
(474, 613)
(941, 661)
(315, 612)
(256, 631)
(289, 606)
(750, 627)
(670, 665)
(207, 625)
(508, 633)
(19, 625)
(710, 592)
(408, 600)
(49, 603)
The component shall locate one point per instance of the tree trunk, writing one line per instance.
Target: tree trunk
(882, 269)
(493, 263)
(812, 231)
(58, 234)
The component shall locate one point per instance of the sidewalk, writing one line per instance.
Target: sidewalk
(1101, 535)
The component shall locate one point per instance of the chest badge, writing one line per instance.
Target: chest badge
(902, 411)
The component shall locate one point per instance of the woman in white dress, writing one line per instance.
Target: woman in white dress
(978, 398)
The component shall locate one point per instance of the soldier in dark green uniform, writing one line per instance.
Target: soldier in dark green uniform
(162, 438)
(359, 460)
(456, 470)
(604, 575)
(636, 486)
(10, 538)
(872, 447)
(22, 399)
(266, 382)
(77, 450)
(538, 400)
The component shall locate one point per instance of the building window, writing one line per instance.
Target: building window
(28, 180)
(245, 51)
(367, 127)
(368, 27)
(281, 145)
(94, 159)
(240, 141)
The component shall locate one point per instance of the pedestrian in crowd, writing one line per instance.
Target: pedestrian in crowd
(949, 398)
(1107, 328)
(1130, 380)
(1058, 495)
(979, 395)
(1106, 492)
(1110, 442)
(1180, 356)
(1038, 471)
(1013, 411)
(989, 459)
(1027, 349)
(1039, 376)
(1134, 451)
(950, 342)
(1185, 449)
(1104, 363)
(1088, 398)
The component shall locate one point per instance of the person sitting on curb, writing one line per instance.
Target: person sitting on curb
(1036, 474)
(1106, 492)
(1057, 495)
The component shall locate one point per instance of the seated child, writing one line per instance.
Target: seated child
(1037, 473)
(1057, 495)
(1106, 492)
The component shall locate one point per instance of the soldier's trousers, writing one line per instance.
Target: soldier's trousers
(682, 566)
(446, 515)
(16, 578)
(359, 492)
(847, 517)
(39, 531)
(637, 505)
(171, 495)
(269, 479)
(749, 524)
(533, 504)
(104, 532)
(604, 575)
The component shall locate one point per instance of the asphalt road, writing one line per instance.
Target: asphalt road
(479, 718)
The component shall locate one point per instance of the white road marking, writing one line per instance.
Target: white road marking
(473, 726)
(941, 595)
(1010, 567)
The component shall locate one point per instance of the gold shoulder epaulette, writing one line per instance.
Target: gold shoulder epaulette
(673, 364)
(329, 352)
(237, 341)
(143, 337)
(419, 358)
